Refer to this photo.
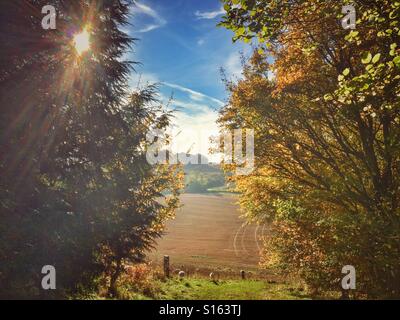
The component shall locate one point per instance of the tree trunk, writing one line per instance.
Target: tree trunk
(112, 290)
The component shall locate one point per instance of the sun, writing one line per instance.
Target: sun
(82, 42)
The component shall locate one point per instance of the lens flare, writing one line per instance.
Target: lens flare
(82, 42)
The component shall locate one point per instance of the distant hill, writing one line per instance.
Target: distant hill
(204, 178)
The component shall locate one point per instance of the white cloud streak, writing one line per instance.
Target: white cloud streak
(146, 10)
(209, 14)
(195, 95)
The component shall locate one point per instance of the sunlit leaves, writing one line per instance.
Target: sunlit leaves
(353, 35)
(366, 57)
(329, 123)
(376, 58)
(396, 61)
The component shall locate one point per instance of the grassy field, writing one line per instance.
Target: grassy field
(209, 233)
(204, 289)
(201, 289)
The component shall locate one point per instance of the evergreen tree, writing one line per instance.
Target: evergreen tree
(76, 191)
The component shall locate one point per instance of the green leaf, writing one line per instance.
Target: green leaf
(247, 40)
(393, 49)
(366, 57)
(346, 72)
(397, 61)
(376, 58)
(240, 31)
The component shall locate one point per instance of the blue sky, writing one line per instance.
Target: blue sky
(180, 46)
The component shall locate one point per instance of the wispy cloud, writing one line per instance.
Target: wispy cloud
(194, 95)
(233, 65)
(200, 42)
(194, 121)
(146, 10)
(193, 133)
(190, 107)
(209, 14)
(140, 79)
(149, 28)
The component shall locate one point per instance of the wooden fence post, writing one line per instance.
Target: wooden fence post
(166, 266)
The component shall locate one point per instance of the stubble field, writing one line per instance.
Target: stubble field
(208, 232)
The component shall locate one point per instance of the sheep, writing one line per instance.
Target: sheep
(181, 274)
(214, 277)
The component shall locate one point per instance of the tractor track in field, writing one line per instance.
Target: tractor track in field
(209, 231)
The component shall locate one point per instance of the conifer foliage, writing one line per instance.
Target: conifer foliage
(76, 191)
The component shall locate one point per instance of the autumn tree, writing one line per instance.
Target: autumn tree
(324, 104)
